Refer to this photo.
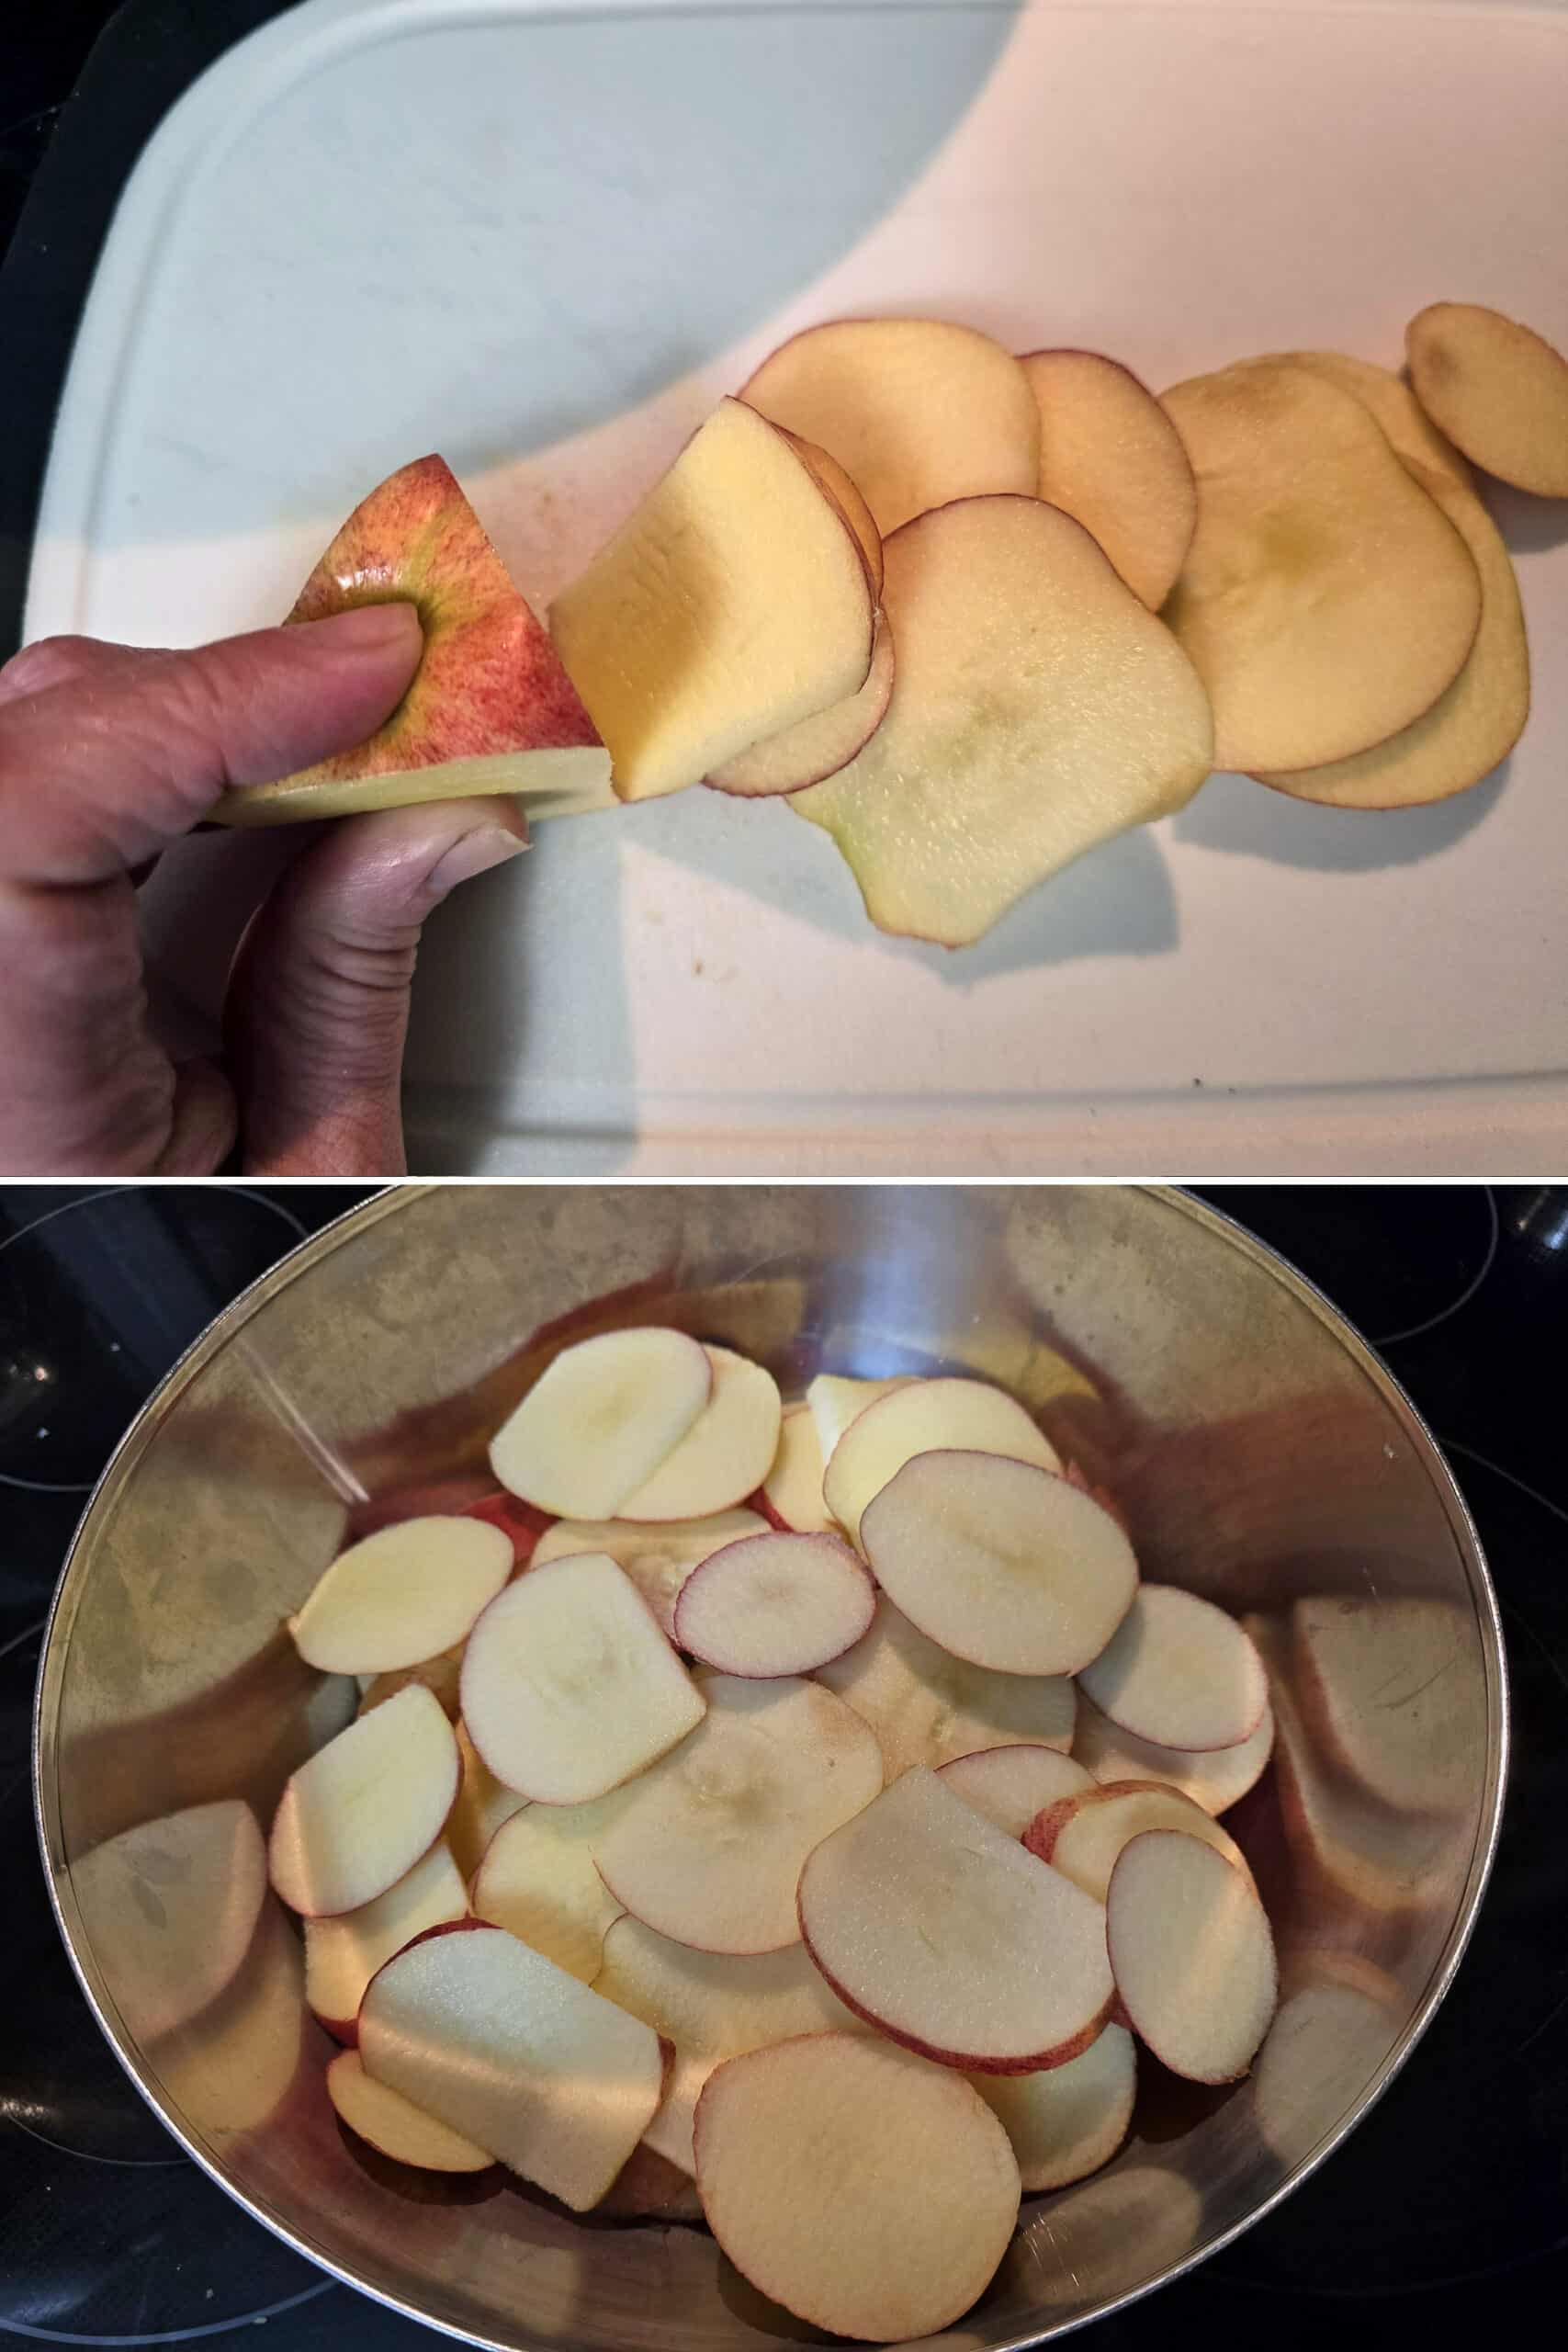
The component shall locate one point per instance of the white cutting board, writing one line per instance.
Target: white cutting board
(542, 239)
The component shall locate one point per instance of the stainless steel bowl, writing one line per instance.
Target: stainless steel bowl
(1263, 1456)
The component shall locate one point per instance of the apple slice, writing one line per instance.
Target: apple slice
(1038, 709)
(398, 2129)
(833, 1400)
(1216, 1779)
(1000, 1562)
(177, 1900)
(538, 1881)
(356, 1816)
(734, 603)
(491, 708)
(710, 2006)
(601, 1418)
(501, 2045)
(1192, 1954)
(440, 1676)
(1413, 438)
(1010, 1785)
(923, 1417)
(775, 1604)
(569, 1686)
(1394, 1690)
(1314, 545)
(1081, 1836)
(943, 1932)
(726, 1454)
(867, 2192)
(917, 410)
(484, 1803)
(1110, 457)
(792, 1491)
(1179, 1673)
(1500, 391)
(342, 1955)
(1068, 2121)
(402, 1595)
(928, 1707)
(816, 748)
(711, 1842)
(841, 487)
(657, 1557)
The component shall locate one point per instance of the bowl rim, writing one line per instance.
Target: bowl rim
(393, 1201)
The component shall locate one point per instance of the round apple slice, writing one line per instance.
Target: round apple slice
(1011, 1785)
(817, 747)
(792, 1491)
(600, 1420)
(402, 1595)
(1112, 459)
(1179, 1673)
(927, 1707)
(360, 1813)
(1216, 1778)
(1192, 1955)
(1067, 2121)
(711, 1842)
(941, 1931)
(1081, 1836)
(868, 2193)
(657, 1556)
(921, 1416)
(569, 1687)
(834, 1399)
(1002, 1563)
(538, 1881)
(342, 1954)
(726, 1454)
(844, 490)
(775, 1604)
(393, 2124)
(1500, 391)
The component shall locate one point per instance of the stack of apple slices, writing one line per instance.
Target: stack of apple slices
(757, 1828)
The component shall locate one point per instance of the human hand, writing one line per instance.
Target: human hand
(107, 755)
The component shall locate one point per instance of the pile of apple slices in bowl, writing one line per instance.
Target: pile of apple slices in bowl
(973, 614)
(799, 1834)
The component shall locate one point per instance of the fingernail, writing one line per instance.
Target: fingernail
(371, 628)
(475, 853)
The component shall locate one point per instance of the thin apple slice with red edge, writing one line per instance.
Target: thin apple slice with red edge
(869, 2193)
(601, 1418)
(816, 748)
(402, 1595)
(726, 1454)
(1011, 1786)
(569, 1687)
(1081, 1836)
(357, 1815)
(1066, 2121)
(734, 603)
(1110, 457)
(921, 1416)
(942, 1932)
(775, 1604)
(1038, 709)
(500, 2044)
(484, 1803)
(393, 2125)
(537, 1881)
(491, 708)
(710, 1844)
(1180, 1672)
(1216, 1778)
(999, 1561)
(657, 1556)
(179, 1898)
(917, 410)
(834, 1399)
(791, 1494)
(1192, 1954)
(709, 2007)
(1497, 390)
(343, 1953)
(928, 1707)
(841, 486)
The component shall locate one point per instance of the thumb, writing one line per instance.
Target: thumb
(319, 996)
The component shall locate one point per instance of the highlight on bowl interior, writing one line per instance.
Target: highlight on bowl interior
(973, 614)
(796, 1818)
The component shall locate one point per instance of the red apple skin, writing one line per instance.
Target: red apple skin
(514, 1518)
(489, 681)
(764, 1509)
(1045, 1828)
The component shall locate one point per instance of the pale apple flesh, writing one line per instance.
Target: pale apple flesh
(1011, 1786)
(834, 1399)
(393, 2124)
(775, 1604)
(1110, 457)
(839, 486)
(658, 1554)
(726, 1454)
(1066, 2121)
(1216, 1778)
(399, 1597)
(792, 1492)
(601, 1419)
(491, 708)
(816, 748)
(927, 1707)
(484, 1803)
(1082, 1835)
(361, 1810)
(1180, 1672)
(923, 1417)
(538, 1880)
(1497, 390)
(342, 1954)
(1192, 1953)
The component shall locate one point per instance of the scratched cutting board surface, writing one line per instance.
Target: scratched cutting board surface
(542, 239)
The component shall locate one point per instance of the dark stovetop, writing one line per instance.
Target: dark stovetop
(1446, 2206)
